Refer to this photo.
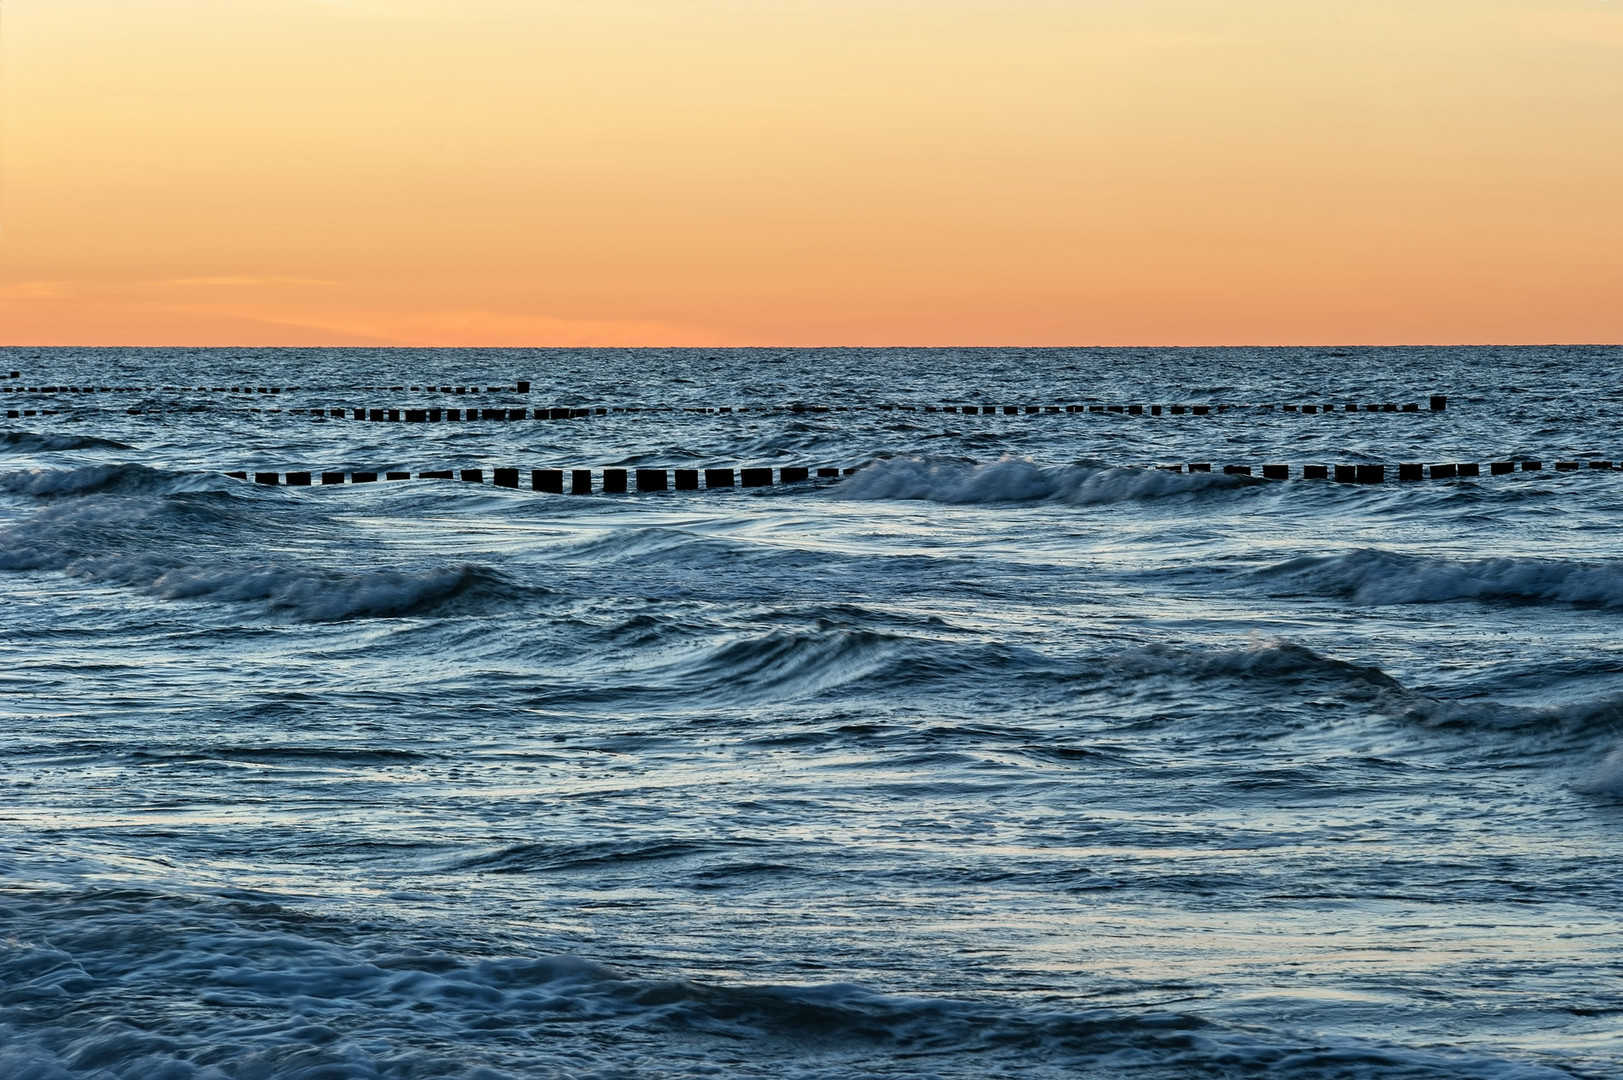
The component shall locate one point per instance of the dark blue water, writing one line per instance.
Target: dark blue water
(1004, 756)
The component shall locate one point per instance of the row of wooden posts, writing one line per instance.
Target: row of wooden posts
(614, 481)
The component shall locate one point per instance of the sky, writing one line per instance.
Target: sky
(810, 172)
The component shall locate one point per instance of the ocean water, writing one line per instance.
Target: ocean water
(1005, 756)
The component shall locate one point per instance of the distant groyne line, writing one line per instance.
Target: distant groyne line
(586, 481)
(506, 413)
(570, 481)
(1322, 405)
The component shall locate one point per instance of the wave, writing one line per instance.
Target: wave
(776, 667)
(1579, 720)
(1022, 480)
(828, 658)
(322, 596)
(782, 663)
(247, 987)
(1606, 778)
(1275, 661)
(604, 856)
(112, 543)
(1371, 576)
(29, 441)
(307, 594)
(284, 755)
(104, 479)
(1555, 727)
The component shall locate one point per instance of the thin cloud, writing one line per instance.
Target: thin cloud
(450, 328)
(41, 290)
(234, 282)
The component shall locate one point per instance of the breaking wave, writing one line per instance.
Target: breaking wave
(1022, 480)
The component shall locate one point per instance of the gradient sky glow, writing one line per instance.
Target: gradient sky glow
(802, 172)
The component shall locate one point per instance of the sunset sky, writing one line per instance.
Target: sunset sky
(803, 172)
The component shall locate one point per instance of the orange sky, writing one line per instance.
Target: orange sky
(800, 172)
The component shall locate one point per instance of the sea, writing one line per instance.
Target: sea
(1009, 751)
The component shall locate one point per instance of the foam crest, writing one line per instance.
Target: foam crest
(1023, 480)
(1372, 576)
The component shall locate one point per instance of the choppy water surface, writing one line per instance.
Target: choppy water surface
(1003, 757)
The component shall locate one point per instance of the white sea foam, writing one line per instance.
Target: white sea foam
(1022, 480)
